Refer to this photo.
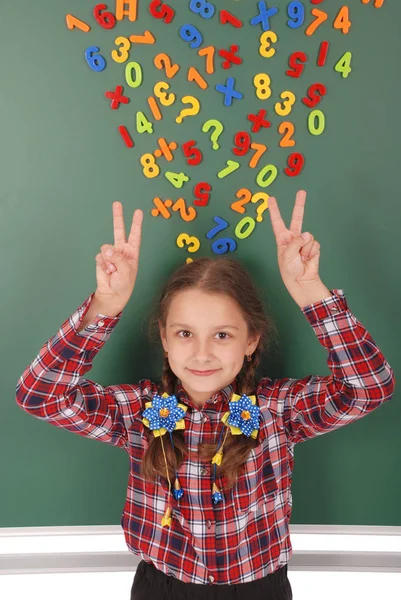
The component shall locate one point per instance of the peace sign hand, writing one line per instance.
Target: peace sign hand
(298, 258)
(116, 274)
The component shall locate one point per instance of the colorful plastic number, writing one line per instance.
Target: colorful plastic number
(194, 75)
(260, 179)
(261, 81)
(266, 39)
(202, 193)
(232, 165)
(189, 33)
(315, 94)
(122, 54)
(205, 9)
(184, 239)
(296, 67)
(284, 108)
(163, 61)
(142, 123)
(130, 67)
(242, 140)
(161, 11)
(150, 168)
(176, 179)
(126, 8)
(295, 162)
(296, 12)
(164, 98)
(321, 122)
(73, 22)
(105, 19)
(344, 65)
(193, 155)
(209, 52)
(96, 63)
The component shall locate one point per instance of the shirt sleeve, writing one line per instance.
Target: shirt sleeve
(52, 387)
(361, 379)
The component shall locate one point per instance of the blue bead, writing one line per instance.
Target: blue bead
(178, 493)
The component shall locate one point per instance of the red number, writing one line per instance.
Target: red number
(164, 11)
(295, 163)
(202, 191)
(315, 94)
(106, 20)
(243, 141)
(296, 66)
(194, 152)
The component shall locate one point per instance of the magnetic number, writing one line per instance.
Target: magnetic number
(319, 116)
(265, 41)
(202, 8)
(261, 81)
(295, 163)
(344, 65)
(142, 123)
(284, 108)
(150, 168)
(246, 221)
(189, 33)
(106, 20)
(162, 61)
(265, 182)
(296, 11)
(185, 239)
(287, 129)
(96, 63)
(165, 99)
(121, 55)
(133, 66)
(243, 141)
(176, 179)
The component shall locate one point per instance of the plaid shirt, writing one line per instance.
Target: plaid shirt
(246, 536)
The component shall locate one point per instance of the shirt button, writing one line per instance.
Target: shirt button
(205, 419)
(211, 578)
(203, 471)
(209, 523)
(101, 323)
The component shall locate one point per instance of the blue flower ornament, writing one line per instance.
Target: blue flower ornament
(164, 413)
(243, 416)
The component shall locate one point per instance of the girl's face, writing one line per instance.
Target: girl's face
(205, 332)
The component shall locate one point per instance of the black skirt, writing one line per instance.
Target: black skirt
(151, 583)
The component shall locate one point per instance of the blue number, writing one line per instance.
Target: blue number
(296, 10)
(189, 33)
(202, 8)
(96, 63)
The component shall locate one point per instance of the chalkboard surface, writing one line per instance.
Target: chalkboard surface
(64, 161)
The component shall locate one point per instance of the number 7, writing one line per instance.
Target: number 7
(321, 16)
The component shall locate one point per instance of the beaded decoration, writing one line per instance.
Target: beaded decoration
(164, 414)
(241, 418)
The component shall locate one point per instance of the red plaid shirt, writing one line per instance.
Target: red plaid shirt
(246, 536)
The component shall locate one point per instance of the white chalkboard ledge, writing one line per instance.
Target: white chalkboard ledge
(38, 550)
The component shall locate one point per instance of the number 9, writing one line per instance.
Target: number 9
(189, 33)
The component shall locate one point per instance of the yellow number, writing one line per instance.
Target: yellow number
(121, 55)
(261, 81)
(265, 40)
(284, 108)
(150, 168)
(165, 99)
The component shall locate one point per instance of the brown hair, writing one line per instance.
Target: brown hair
(226, 276)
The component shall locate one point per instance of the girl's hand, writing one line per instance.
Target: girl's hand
(298, 258)
(116, 274)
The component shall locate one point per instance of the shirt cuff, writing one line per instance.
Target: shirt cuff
(327, 308)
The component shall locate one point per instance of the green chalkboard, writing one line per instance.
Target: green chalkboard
(63, 163)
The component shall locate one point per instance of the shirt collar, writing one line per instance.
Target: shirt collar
(217, 401)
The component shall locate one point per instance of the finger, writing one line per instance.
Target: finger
(315, 249)
(118, 224)
(134, 238)
(298, 212)
(108, 260)
(306, 249)
(278, 224)
(102, 265)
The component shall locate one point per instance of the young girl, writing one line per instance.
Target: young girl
(211, 449)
